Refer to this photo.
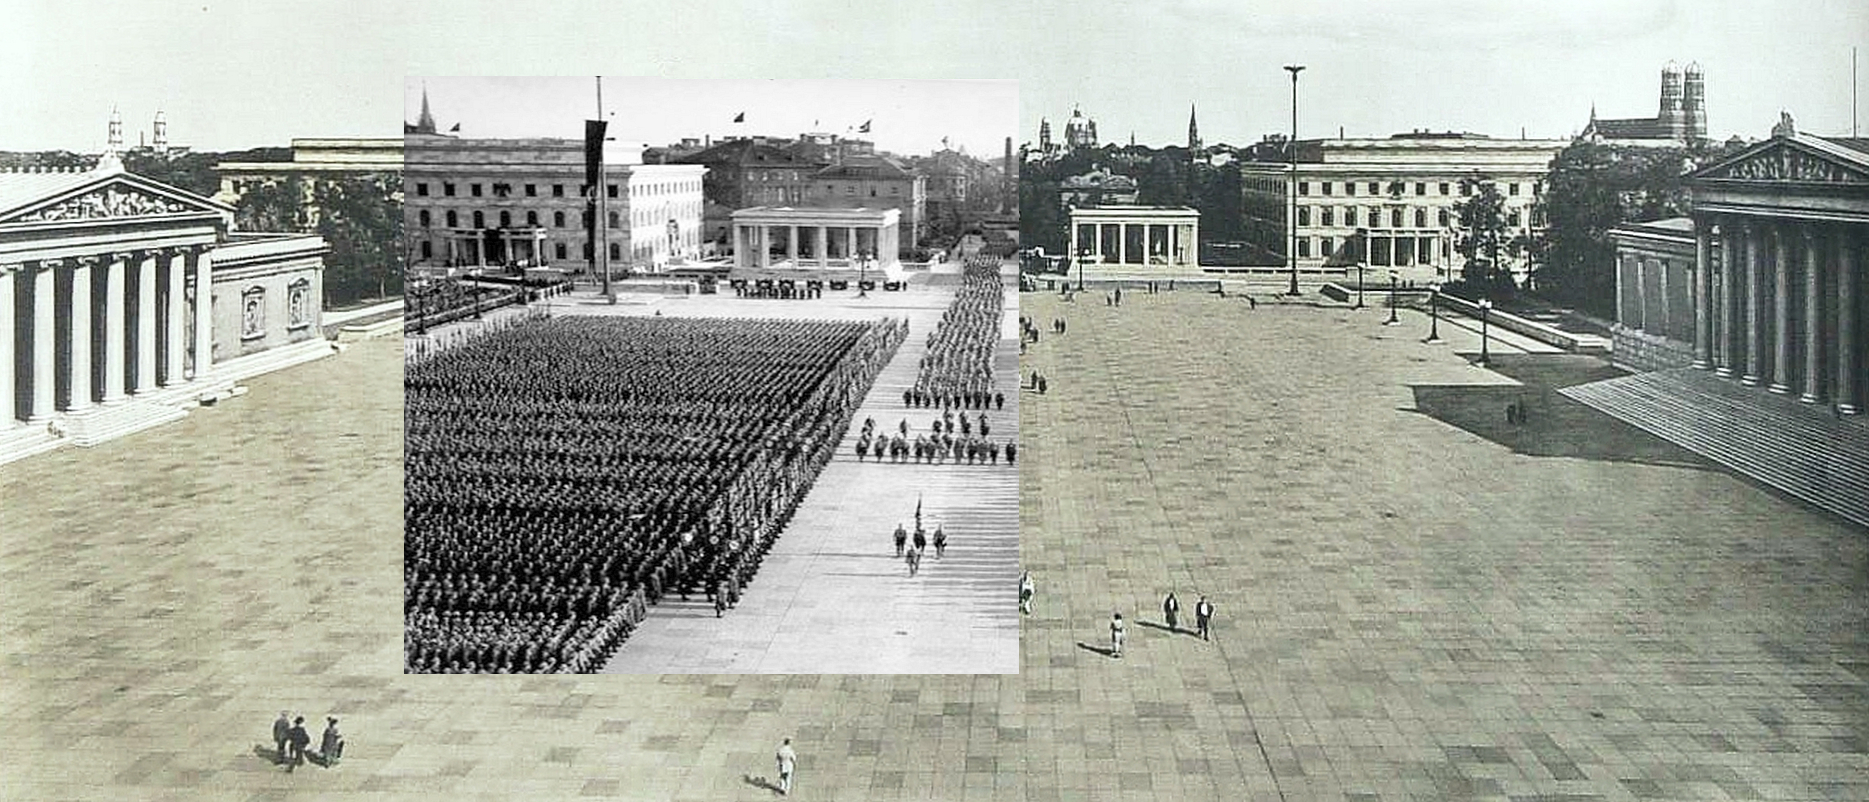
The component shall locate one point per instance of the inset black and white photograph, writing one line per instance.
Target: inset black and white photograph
(711, 376)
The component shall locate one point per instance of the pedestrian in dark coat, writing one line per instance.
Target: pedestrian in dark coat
(297, 739)
(1171, 607)
(282, 735)
(1203, 615)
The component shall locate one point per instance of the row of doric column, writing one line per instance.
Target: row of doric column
(753, 243)
(1177, 241)
(98, 328)
(1779, 302)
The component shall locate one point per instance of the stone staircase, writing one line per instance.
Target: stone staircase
(1802, 450)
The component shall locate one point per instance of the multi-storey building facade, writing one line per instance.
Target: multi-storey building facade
(523, 202)
(873, 182)
(1400, 191)
(314, 161)
(744, 173)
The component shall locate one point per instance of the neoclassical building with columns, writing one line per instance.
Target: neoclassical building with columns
(829, 243)
(1164, 237)
(105, 332)
(1778, 296)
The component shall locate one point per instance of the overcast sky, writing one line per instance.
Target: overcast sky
(259, 72)
(907, 117)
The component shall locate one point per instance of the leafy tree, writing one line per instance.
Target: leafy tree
(1483, 236)
(190, 171)
(272, 206)
(362, 221)
(1594, 187)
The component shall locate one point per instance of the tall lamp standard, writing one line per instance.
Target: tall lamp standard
(1291, 217)
(1082, 254)
(1362, 262)
(1486, 306)
(863, 274)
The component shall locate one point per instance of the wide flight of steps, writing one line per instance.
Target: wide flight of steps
(1802, 450)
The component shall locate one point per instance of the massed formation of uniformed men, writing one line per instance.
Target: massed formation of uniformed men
(564, 474)
(957, 370)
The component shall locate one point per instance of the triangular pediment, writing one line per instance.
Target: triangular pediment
(1797, 159)
(100, 197)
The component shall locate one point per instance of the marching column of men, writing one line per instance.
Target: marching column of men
(957, 370)
(564, 474)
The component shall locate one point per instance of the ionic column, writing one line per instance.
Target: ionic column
(44, 355)
(204, 313)
(1849, 261)
(850, 239)
(80, 335)
(1076, 251)
(8, 414)
(145, 326)
(822, 247)
(1732, 249)
(177, 306)
(1813, 321)
(114, 325)
(1703, 294)
(791, 244)
(1755, 313)
(1781, 307)
(1122, 243)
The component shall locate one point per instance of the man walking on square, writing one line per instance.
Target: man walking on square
(282, 733)
(1026, 589)
(902, 536)
(1116, 635)
(788, 760)
(1203, 615)
(940, 542)
(297, 739)
(1171, 606)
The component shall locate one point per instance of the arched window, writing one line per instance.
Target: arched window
(558, 220)
(506, 219)
(452, 220)
(532, 219)
(616, 251)
(559, 248)
(480, 220)
(424, 218)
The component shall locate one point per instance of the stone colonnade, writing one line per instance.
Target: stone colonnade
(1782, 305)
(753, 242)
(1171, 243)
(99, 328)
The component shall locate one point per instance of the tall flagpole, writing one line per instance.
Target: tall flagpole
(601, 245)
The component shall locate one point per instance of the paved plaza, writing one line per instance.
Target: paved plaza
(1416, 602)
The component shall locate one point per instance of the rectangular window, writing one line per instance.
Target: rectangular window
(1330, 214)
(1326, 186)
(1424, 251)
(558, 190)
(1304, 188)
(532, 190)
(1513, 218)
(1323, 248)
(1375, 218)
(447, 189)
(1421, 188)
(427, 252)
(474, 190)
(1375, 187)
(1349, 187)
(1466, 189)
(1443, 187)
(421, 190)
(1304, 247)
(1304, 215)
(612, 190)
(1512, 188)
(1349, 215)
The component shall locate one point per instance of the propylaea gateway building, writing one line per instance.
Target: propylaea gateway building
(477, 203)
(1400, 191)
(103, 328)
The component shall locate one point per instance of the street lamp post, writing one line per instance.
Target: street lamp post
(1393, 320)
(1359, 283)
(1291, 217)
(1486, 307)
(863, 274)
(1081, 256)
(1434, 314)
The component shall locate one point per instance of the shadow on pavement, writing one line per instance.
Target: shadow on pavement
(1098, 649)
(1553, 425)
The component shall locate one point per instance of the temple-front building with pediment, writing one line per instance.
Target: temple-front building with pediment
(103, 326)
(1747, 319)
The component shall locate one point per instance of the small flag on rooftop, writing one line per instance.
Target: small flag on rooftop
(740, 118)
(865, 127)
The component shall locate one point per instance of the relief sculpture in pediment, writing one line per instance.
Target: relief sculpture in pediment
(106, 203)
(1786, 164)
